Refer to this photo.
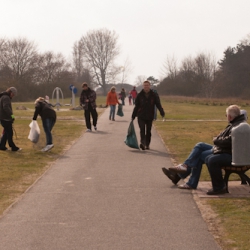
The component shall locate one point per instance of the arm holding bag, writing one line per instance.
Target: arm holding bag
(131, 139)
(34, 131)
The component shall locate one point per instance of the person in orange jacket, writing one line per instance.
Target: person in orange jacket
(112, 101)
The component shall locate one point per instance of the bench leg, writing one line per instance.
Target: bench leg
(226, 178)
(246, 179)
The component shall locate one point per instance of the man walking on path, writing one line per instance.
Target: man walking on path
(144, 110)
(88, 102)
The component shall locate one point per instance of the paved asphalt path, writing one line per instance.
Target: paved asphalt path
(104, 195)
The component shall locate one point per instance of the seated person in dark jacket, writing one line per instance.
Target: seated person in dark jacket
(144, 110)
(48, 116)
(222, 151)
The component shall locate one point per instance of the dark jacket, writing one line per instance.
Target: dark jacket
(45, 110)
(5, 107)
(223, 142)
(90, 95)
(144, 105)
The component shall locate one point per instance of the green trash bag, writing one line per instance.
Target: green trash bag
(131, 139)
(119, 111)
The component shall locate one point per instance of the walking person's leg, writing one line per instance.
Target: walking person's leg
(8, 132)
(87, 119)
(148, 133)
(142, 125)
(94, 118)
(113, 112)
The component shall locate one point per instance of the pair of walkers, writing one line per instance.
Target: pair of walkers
(215, 156)
(42, 108)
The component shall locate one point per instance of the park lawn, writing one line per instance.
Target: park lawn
(182, 129)
(188, 121)
(19, 170)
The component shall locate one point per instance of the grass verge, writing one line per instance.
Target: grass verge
(192, 120)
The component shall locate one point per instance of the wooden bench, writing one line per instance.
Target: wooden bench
(239, 170)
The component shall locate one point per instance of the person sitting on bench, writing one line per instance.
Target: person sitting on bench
(193, 164)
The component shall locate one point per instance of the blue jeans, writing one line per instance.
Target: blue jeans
(214, 164)
(48, 124)
(112, 112)
(194, 162)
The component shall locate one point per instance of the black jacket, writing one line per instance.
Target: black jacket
(43, 109)
(90, 95)
(144, 105)
(5, 107)
(223, 142)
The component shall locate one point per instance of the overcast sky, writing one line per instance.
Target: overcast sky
(149, 30)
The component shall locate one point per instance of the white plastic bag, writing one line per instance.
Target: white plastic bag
(34, 131)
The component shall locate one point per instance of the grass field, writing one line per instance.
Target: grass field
(188, 121)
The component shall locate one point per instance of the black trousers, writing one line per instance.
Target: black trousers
(7, 135)
(93, 113)
(145, 131)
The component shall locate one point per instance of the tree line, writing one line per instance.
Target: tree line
(94, 60)
(203, 76)
(37, 74)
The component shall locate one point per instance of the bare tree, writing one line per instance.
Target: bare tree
(205, 68)
(170, 67)
(20, 57)
(125, 70)
(51, 67)
(99, 49)
(78, 60)
(140, 79)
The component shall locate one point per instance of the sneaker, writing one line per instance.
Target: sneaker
(95, 128)
(142, 146)
(181, 168)
(88, 130)
(47, 148)
(16, 149)
(185, 186)
(172, 176)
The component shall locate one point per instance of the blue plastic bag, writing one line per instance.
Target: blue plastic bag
(131, 139)
(119, 111)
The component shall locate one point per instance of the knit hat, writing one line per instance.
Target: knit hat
(13, 90)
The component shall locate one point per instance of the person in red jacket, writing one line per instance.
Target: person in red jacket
(133, 92)
(112, 101)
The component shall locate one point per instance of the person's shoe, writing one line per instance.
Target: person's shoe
(4, 149)
(88, 130)
(184, 186)
(181, 168)
(47, 148)
(172, 176)
(147, 147)
(142, 146)
(110, 118)
(113, 120)
(95, 128)
(215, 192)
(16, 149)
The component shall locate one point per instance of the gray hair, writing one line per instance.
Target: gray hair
(233, 111)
